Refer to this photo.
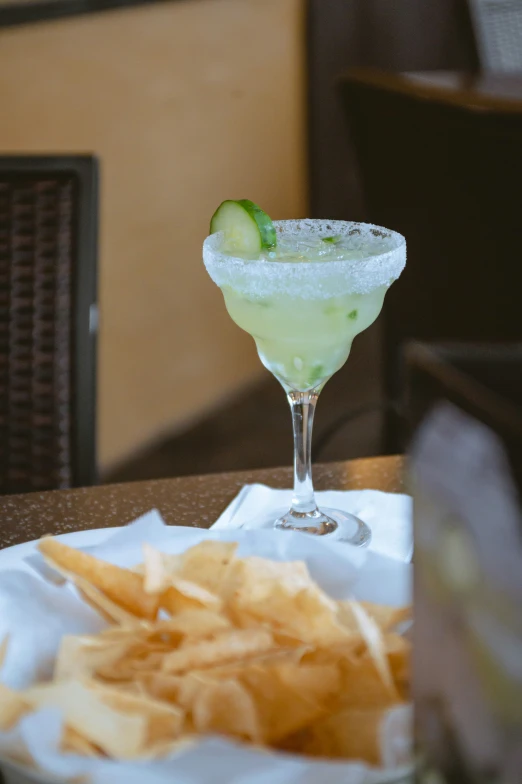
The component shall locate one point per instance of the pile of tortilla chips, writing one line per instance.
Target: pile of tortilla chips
(207, 642)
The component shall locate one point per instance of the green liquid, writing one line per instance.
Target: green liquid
(303, 342)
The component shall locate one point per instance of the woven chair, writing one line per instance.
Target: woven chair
(48, 260)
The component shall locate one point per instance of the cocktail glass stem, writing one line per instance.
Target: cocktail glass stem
(302, 405)
(304, 514)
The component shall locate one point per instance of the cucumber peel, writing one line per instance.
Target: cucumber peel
(246, 227)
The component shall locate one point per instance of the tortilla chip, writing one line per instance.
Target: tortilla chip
(118, 734)
(81, 657)
(225, 707)
(373, 637)
(12, 707)
(350, 734)
(285, 596)
(227, 647)
(208, 564)
(74, 743)
(3, 649)
(122, 586)
(362, 685)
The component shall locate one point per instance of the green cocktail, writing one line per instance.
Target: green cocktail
(303, 342)
(303, 295)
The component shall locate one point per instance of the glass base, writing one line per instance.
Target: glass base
(333, 523)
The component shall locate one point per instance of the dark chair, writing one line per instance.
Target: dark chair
(48, 261)
(445, 171)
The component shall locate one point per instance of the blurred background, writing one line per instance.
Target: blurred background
(406, 114)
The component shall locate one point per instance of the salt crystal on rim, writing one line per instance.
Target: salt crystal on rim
(312, 279)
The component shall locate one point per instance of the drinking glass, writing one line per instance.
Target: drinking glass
(303, 302)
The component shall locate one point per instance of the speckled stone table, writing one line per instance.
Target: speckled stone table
(195, 500)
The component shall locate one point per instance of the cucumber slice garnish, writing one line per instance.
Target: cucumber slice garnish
(246, 227)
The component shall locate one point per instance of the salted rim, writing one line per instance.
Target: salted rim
(313, 279)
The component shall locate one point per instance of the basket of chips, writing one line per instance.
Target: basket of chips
(202, 660)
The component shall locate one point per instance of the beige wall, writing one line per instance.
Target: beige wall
(186, 103)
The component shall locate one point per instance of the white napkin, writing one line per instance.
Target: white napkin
(389, 515)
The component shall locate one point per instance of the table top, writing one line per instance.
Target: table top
(489, 92)
(495, 91)
(194, 500)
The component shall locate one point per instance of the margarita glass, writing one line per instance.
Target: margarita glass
(303, 301)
